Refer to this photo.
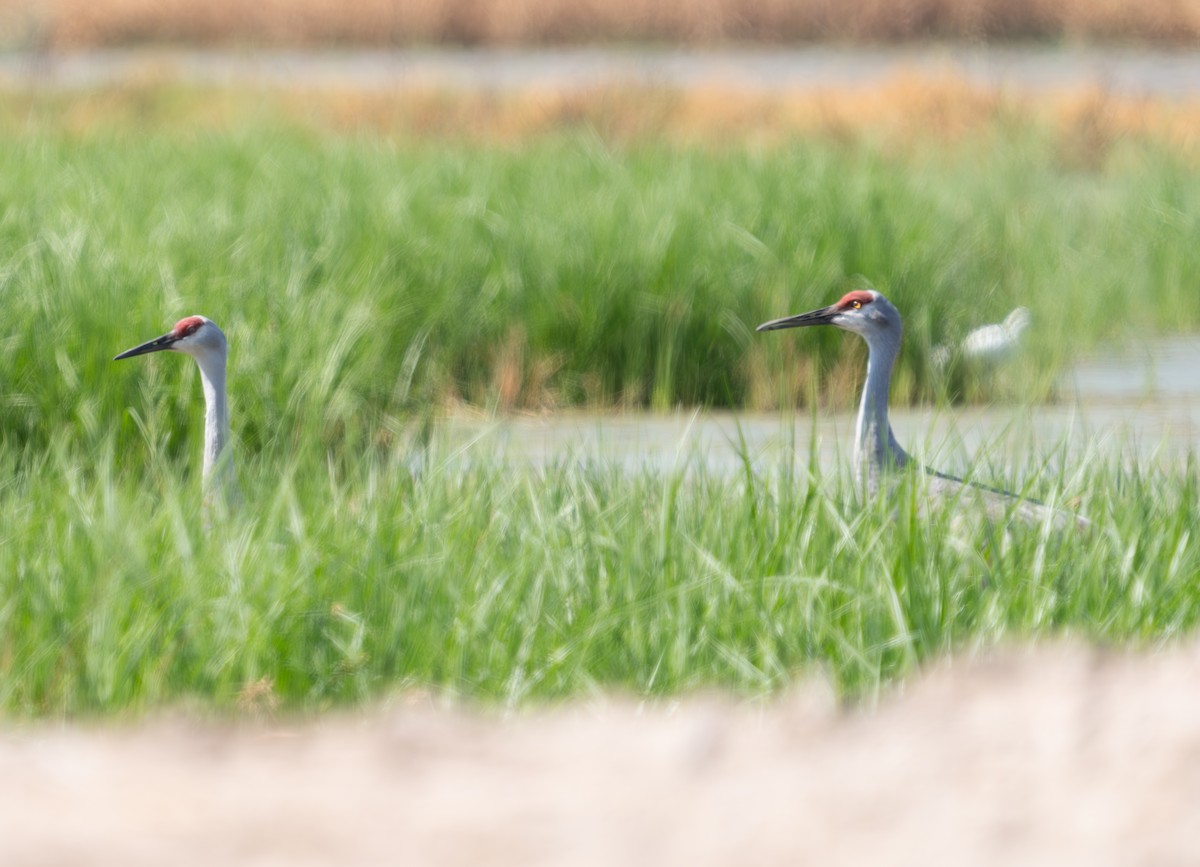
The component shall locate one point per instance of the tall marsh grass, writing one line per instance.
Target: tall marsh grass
(359, 279)
(339, 582)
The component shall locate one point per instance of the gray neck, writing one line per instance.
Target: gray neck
(875, 447)
(218, 467)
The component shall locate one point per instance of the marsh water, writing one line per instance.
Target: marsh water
(1142, 403)
(1131, 71)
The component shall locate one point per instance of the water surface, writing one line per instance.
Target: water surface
(1129, 71)
(1142, 404)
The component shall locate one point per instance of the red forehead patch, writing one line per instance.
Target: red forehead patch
(187, 326)
(862, 296)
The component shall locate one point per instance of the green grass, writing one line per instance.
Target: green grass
(509, 585)
(363, 283)
(359, 278)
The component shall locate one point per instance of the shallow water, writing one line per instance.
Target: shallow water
(1143, 404)
(1161, 72)
(1167, 370)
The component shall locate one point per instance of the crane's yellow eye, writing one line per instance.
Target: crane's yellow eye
(857, 305)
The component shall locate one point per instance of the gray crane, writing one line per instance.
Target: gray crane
(876, 453)
(200, 338)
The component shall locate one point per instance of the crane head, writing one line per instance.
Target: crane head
(196, 336)
(863, 311)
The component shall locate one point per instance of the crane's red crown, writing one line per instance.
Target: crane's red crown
(862, 296)
(187, 326)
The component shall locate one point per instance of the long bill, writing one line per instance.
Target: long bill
(158, 344)
(824, 316)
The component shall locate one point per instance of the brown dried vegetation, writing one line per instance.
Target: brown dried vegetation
(906, 112)
(75, 23)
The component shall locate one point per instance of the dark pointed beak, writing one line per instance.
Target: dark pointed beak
(158, 344)
(824, 316)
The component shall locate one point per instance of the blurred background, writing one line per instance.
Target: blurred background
(62, 24)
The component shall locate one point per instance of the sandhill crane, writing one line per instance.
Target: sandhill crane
(988, 343)
(200, 338)
(871, 316)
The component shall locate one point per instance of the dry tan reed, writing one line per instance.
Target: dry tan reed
(908, 111)
(74, 23)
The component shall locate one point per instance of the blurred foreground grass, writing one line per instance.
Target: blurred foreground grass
(340, 585)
